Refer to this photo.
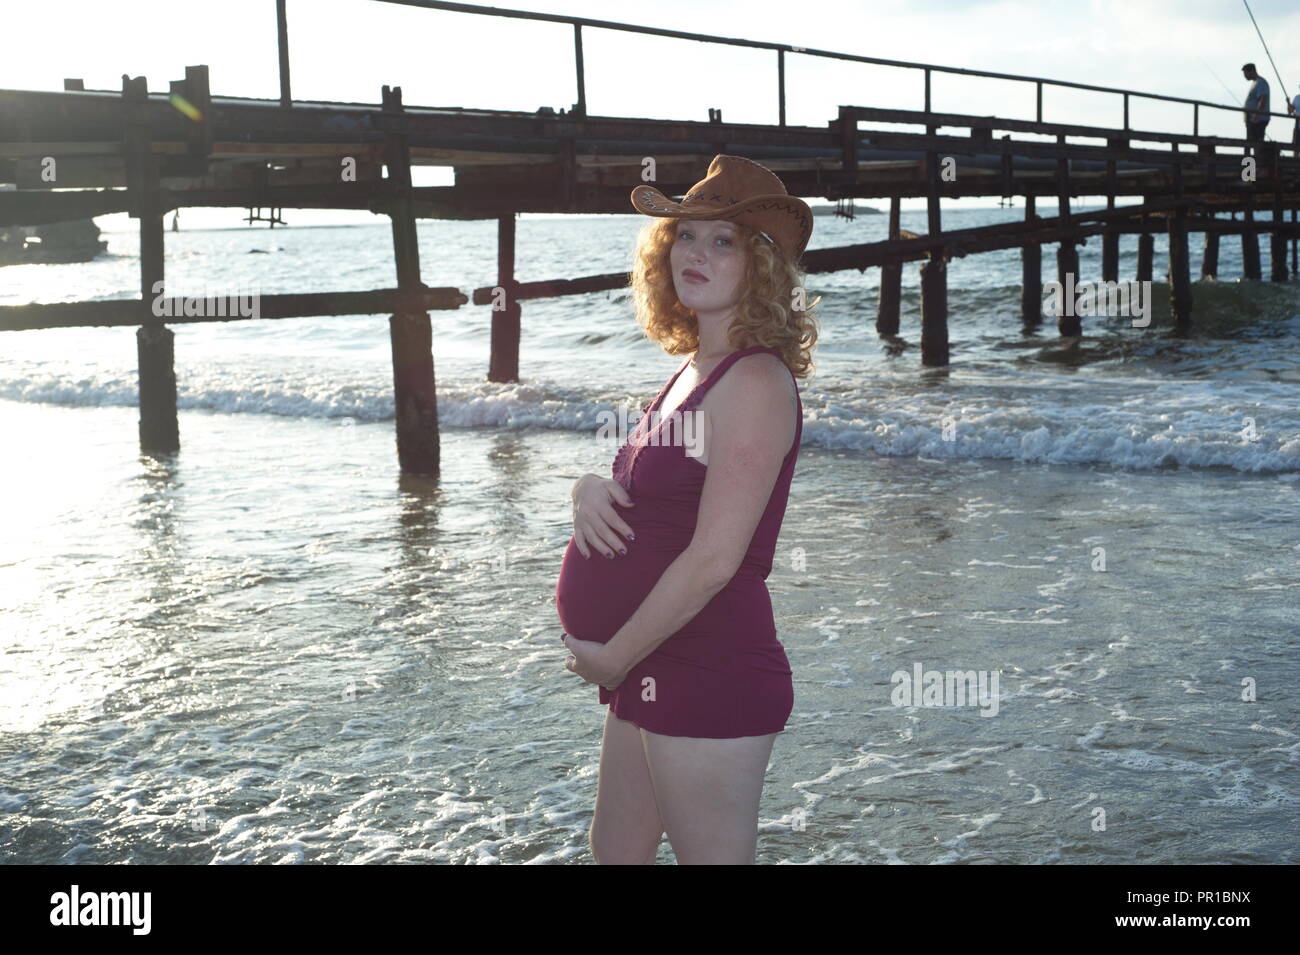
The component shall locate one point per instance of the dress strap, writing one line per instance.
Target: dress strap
(697, 395)
(691, 400)
(694, 397)
(652, 421)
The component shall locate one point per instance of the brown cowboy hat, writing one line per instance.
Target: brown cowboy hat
(739, 190)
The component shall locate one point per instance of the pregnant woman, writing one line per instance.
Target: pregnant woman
(662, 593)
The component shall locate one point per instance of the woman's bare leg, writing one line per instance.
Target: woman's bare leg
(626, 827)
(708, 792)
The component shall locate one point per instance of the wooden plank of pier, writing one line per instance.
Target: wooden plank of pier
(127, 312)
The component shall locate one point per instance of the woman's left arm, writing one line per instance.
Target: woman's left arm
(751, 430)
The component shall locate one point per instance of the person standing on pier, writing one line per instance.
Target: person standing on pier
(675, 626)
(1256, 108)
(1293, 108)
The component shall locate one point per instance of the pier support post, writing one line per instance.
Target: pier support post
(934, 310)
(415, 398)
(1210, 256)
(1249, 244)
(1110, 256)
(503, 365)
(1180, 287)
(1067, 264)
(1277, 243)
(1067, 253)
(1146, 254)
(155, 343)
(934, 280)
(1031, 276)
(1110, 238)
(1294, 271)
(1277, 256)
(932, 207)
(891, 282)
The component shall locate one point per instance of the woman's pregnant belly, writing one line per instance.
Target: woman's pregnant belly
(595, 596)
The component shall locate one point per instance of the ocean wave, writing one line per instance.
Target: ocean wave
(1247, 426)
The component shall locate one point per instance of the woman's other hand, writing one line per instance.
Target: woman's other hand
(594, 662)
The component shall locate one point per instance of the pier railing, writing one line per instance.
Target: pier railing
(927, 70)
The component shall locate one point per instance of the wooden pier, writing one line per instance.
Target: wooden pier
(147, 153)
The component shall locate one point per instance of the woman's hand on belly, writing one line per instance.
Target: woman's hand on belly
(596, 524)
(595, 662)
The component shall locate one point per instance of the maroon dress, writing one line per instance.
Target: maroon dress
(724, 674)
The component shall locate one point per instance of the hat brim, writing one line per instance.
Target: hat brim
(650, 201)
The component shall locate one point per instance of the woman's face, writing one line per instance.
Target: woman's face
(710, 248)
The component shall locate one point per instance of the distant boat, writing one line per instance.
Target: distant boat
(75, 241)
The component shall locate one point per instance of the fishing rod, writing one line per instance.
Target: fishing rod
(1266, 51)
(1232, 96)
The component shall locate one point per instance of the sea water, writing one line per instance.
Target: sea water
(273, 647)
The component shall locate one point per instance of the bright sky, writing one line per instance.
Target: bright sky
(347, 49)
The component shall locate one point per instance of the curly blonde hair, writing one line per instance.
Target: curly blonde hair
(764, 314)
